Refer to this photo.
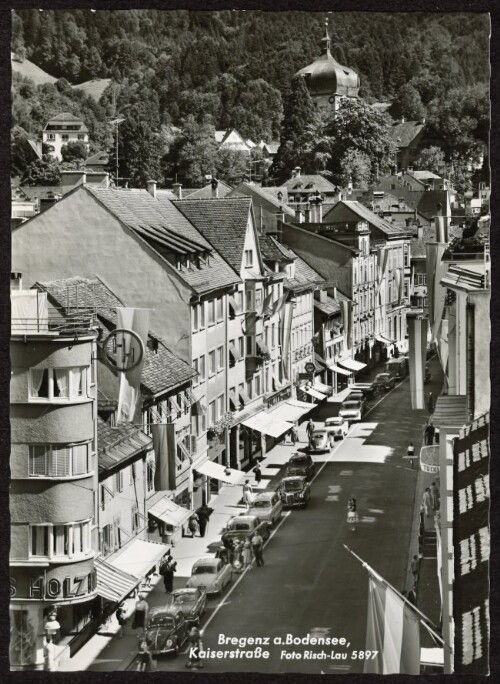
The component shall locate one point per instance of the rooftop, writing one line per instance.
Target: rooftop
(367, 215)
(272, 250)
(404, 132)
(257, 192)
(417, 248)
(206, 191)
(119, 443)
(310, 183)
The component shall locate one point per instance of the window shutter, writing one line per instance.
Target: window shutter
(38, 460)
(77, 538)
(80, 459)
(60, 461)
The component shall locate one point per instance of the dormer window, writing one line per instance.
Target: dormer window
(248, 258)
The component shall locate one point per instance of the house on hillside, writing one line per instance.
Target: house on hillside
(408, 138)
(232, 140)
(61, 130)
(302, 187)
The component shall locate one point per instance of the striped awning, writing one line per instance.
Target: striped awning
(351, 364)
(113, 584)
(171, 513)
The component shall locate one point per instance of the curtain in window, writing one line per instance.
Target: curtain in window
(77, 539)
(39, 541)
(61, 385)
(37, 379)
(80, 461)
(76, 376)
(60, 534)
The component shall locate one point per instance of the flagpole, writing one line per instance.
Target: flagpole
(424, 620)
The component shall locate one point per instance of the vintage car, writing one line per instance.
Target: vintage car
(351, 410)
(243, 527)
(385, 380)
(192, 601)
(398, 368)
(266, 506)
(166, 630)
(427, 376)
(295, 491)
(356, 395)
(211, 574)
(338, 426)
(300, 464)
(322, 439)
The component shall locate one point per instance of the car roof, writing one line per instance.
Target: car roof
(293, 477)
(185, 590)
(245, 518)
(206, 561)
(172, 611)
(263, 496)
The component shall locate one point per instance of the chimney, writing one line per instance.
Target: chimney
(70, 179)
(420, 232)
(298, 214)
(215, 188)
(335, 293)
(349, 187)
(296, 172)
(177, 189)
(16, 280)
(152, 188)
(323, 295)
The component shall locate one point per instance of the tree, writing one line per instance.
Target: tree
(73, 151)
(355, 167)
(354, 127)
(21, 151)
(408, 104)
(231, 166)
(431, 159)
(296, 131)
(44, 171)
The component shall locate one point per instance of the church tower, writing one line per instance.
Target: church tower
(328, 81)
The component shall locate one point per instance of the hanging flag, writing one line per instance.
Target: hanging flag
(417, 342)
(278, 304)
(164, 447)
(129, 395)
(436, 293)
(393, 631)
(267, 309)
(441, 226)
(250, 325)
(346, 308)
(398, 274)
(286, 333)
(383, 257)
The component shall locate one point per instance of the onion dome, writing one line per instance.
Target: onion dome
(325, 76)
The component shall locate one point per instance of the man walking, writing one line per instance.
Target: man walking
(257, 548)
(430, 403)
(430, 431)
(257, 474)
(434, 496)
(410, 454)
(310, 430)
(427, 501)
(168, 576)
(414, 569)
(204, 514)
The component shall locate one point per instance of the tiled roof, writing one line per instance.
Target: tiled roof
(417, 248)
(274, 190)
(272, 250)
(118, 444)
(162, 371)
(223, 222)
(422, 175)
(167, 231)
(331, 306)
(97, 158)
(206, 191)
(369, 216)
(104, 403)
(309, 182)
(66, 116)
(305, 273)
(404, 132)
(429, 201)
(257, 192)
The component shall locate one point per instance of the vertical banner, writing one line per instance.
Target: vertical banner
(436, 293)
(286, 333)
(398, 273)
(130, 381)
(383, 257)
(443, 346)
(346, 308)
(164, 447)
(417, 334)
(393, 631)
(441, 226)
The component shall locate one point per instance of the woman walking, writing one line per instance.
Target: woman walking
(352, 514)
(141, 615)
(247, 554)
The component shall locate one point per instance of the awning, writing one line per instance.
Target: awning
(429, 459)
(267, 424)
(291, 410)
(198, 408)
(167, 510)
(234, 352)
(432, 656)
(243, 396)
(352, 364)
(234, 399)
(321, 387)
(384, 340)
(336, 369)
(313, 393)
(218, 472)
(139, 557)
(113, 584)
(450, 411)
(262, 346)
(234, 305)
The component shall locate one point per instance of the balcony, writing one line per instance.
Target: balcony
(31, 315)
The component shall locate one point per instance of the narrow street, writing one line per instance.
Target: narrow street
(310, 584)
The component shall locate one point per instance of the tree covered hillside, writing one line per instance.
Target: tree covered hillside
(234, 69)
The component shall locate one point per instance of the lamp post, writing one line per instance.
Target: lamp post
(51, 628)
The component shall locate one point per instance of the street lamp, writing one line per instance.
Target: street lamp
(51, 626)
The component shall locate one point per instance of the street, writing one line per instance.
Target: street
(310, 584)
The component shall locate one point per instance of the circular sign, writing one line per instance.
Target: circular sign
(122, 349)
(310, 367)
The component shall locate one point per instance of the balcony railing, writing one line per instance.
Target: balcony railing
(78, 322)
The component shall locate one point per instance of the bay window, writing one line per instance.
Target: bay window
(60, 541)
(51, 460)
(57, 383)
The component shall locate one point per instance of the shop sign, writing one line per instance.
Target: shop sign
(52, 588)
(278, 396)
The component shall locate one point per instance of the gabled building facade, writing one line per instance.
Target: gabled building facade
(61, 130)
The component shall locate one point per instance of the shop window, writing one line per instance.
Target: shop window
(47, 460)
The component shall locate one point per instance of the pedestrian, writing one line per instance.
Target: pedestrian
(427, 501)
(195, 646)
(204, 514)
(247, 554)
(414, 565)
(434, 496)
(352, 514)
(310, 430)
(168, 576)
(247, 493)
(141, 614)
(430, 431)
(411, 596)
(257, 474)
(430, 403)
(228, 545)
(410, 453)
(144, 658)
(121, 617)
(257, 548)
(295, 435)
(238, 556)
(193, 524)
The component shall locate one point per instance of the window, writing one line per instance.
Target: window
(196, 366)
(249, 389)
(201, 317)
(55, 541)
(211, 363)
(258, 297)
(202, 369)
(257, 385)
(64, 136)
(107, 545)
(241, 346)
(220, 357)
(211, 312)
(248, 258)
(81, 136)
(220, 309)
(220, 405)
(132, 473)
(249, 300)
(250, 345)
(212, 412)
(119, 481)
(135, 518)
(57, 383)
(195, 317)
(150, 475)
(48, 460)
(406, 257)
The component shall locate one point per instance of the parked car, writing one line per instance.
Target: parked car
(338, 426)
(301, 464)
(245, 526)
(192, 601)
(397, 368)
(266, 506)
(210, 574)
(295, 491)
(368, 389)
(427, 376)
(385, 380)
(166, 630)
(322, 440)
(356, 395)
(351, 410)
